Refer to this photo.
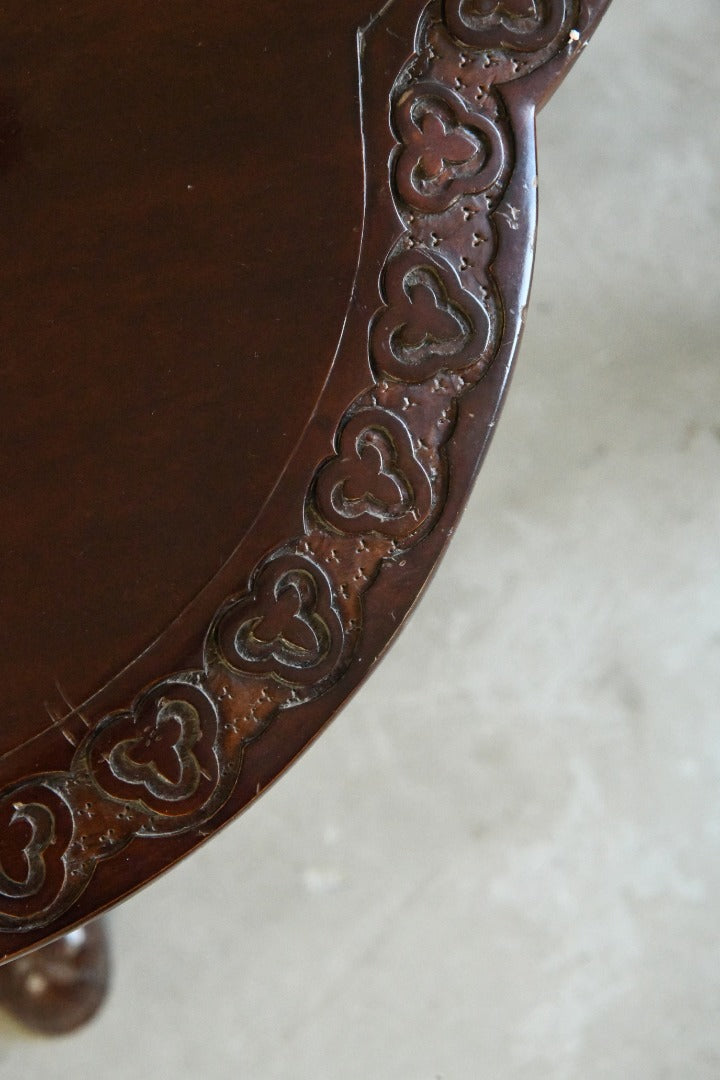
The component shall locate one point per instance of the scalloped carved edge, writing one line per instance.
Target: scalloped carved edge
(168, 764)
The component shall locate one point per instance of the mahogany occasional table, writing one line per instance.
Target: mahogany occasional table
(264, 274)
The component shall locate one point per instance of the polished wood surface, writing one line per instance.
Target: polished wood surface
(264, 278)
(159, 255)
(60, 987)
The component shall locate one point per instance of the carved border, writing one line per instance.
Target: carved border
(168, 764)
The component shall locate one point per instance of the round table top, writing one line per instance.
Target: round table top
(264, 272)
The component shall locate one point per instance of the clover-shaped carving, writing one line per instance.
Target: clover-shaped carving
(512, 13)
(286, 626)
(430, 323)
(447, 152)
(161, 754)
(35, 832)
(376, 483)
(521, 25)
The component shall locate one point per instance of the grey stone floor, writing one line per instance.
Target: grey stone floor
(502, 862)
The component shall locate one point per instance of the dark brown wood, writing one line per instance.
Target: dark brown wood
(59, 987)
(265, 271)
(159, 253)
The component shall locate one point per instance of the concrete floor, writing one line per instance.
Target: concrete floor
(502, 862)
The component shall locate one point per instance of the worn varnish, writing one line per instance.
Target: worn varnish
(264, 272)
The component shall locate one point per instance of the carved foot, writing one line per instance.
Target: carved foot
(61, 986)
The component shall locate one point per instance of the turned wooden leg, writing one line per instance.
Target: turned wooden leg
(60, 986)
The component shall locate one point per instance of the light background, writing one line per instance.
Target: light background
(502, 862)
